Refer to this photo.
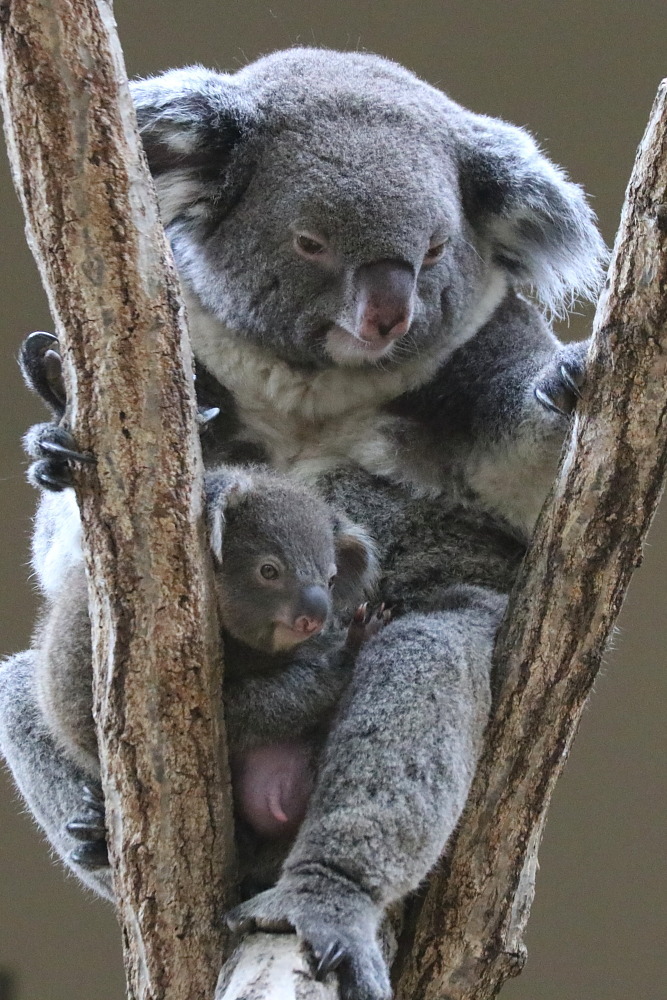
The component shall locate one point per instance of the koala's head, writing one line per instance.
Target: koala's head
(337, 210)
(285, 561)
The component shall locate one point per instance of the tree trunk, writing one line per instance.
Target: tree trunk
(93, 226)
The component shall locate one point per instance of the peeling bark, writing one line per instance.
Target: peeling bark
(93, 227)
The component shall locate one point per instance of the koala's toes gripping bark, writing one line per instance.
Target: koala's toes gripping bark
(337, 923)
(88, 826)
(54, 449)
(559, 385)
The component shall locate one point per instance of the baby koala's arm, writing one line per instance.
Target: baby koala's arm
(300, 698)
(291, 701)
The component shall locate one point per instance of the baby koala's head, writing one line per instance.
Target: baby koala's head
(285, 560)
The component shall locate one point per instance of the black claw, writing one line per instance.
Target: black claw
(547, 402)
(88, 831)
(91, 856)
(62, 451)
(566, 375)
(206, 415)
(359, 616)
(240, 925)
(42, 368)
(93, 796)
(330, 960)
(45, 475)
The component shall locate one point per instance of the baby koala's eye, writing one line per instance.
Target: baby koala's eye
(309, 246)
(435, 252)
(269, 571)
(332, 580)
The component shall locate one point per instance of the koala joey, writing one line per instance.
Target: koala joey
(355, 249)
(286, 564)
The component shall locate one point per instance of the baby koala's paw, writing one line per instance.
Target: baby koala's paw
(337, 923)
(366, 623)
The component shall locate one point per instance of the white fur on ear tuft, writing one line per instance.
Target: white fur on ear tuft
(356, 562)
(226, 487)
(538, 222)
(216, 522)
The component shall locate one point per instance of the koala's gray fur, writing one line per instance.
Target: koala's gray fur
(272, 695)
(432, 219)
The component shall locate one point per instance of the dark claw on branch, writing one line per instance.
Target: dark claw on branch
(548, 403)
(329, 961)
(62, 451)
(569, 381)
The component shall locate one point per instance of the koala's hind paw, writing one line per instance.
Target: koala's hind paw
(54, 449)
(89, 827)
(365, 624)
(337, 923)
(559, 385)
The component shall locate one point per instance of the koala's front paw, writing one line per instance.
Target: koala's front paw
(336, 921)
(364, 625)
(559, 385)
(54, 449)
(89, 827)
(42, 369)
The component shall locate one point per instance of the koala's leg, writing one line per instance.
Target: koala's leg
(53, 787)
(391, 787)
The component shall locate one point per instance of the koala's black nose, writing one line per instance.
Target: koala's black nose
(385, 300)
(311, 610)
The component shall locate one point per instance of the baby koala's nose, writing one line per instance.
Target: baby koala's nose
(312, 610)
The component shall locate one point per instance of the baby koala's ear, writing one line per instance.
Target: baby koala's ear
(356, 562)
(225, 487)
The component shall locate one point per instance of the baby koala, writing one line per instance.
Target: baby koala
(287, 566)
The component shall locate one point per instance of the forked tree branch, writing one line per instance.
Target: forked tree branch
(93, 226)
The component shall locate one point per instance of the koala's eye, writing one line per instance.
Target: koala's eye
(435, 252)
(269, 571)
(309, 246)
(332, 580)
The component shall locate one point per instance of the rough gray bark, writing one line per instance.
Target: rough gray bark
(463, 937)
(93, 226)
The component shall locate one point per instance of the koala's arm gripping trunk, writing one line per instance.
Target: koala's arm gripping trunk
(93, 226)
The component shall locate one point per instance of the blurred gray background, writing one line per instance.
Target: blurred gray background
(581, 76)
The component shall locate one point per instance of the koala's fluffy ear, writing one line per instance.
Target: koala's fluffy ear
(356, 562)
(541, 228)
(190, 121)
(225, 487)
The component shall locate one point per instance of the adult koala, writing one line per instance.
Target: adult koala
(352, 244)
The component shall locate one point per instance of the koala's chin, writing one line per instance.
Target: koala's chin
(346, 349)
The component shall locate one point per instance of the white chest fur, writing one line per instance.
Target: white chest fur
(314, 421)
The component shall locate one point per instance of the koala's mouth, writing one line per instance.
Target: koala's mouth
(346, 349)
(285, 637)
